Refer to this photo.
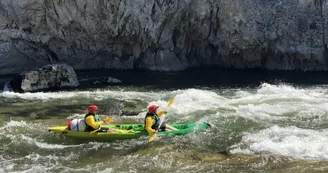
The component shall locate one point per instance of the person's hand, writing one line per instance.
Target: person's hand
(156, 131)
(109, 120)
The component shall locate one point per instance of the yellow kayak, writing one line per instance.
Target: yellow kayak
(126, 131)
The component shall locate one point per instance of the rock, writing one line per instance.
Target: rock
(7, 87)
(164, 35)
(101, 80)
(113, 80)
(48, 77)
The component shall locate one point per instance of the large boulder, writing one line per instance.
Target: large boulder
(48, 77)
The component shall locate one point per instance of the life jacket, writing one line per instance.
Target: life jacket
(155, 126)
(87, 127)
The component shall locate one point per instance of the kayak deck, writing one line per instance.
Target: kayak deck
(127, 131)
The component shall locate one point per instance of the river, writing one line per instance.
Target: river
(261, 122)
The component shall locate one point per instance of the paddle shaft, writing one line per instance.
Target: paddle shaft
(161, 122)
(168, 107)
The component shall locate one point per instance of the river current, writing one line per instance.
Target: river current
(259, 124)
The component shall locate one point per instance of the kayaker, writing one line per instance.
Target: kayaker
(152, 121)
(92, 121)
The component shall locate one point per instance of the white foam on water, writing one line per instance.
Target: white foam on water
(38, 168)
(39, 95)
(276, 93)
(185, 103)
(264, 104)
(13, 126)
(240, 93)
(287, 141)
(97, 95)
(76, 116)
(23, 138)
(192, 100)
(81, 116)
(44, 145)
(277, 102)
(41, 168)
(10, 131)
(260, 112)
(13, 123)
(106, 170)
(35, 162)
(314, 95)
(267, 100)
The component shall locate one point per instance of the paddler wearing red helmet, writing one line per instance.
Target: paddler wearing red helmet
(92, 121)
(152, 120)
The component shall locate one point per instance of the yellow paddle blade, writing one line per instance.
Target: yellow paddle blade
(152, 138)
(170, 102)
(108, 119)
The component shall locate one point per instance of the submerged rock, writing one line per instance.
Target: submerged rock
(45, 78)
(101, 80)
(113, 80)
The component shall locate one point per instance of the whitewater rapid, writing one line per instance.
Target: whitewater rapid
(285, 120)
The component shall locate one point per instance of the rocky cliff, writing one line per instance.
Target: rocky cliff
(163, 35)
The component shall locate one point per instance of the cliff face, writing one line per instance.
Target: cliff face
(163, 35)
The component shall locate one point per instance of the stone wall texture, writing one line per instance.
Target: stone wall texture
(163, 35)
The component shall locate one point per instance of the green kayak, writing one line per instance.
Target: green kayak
(127, 131)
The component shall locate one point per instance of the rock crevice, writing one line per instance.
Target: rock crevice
(163, 35)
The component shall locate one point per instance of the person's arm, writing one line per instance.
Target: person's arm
(91, 122)
(160, 113)
(149, 123)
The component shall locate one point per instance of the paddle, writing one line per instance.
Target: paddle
(107, 119)
(153, 137)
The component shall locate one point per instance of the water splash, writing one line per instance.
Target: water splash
(270, 120)
(287, 141)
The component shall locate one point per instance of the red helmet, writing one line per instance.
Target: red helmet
(92, 108)
(152, 108)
